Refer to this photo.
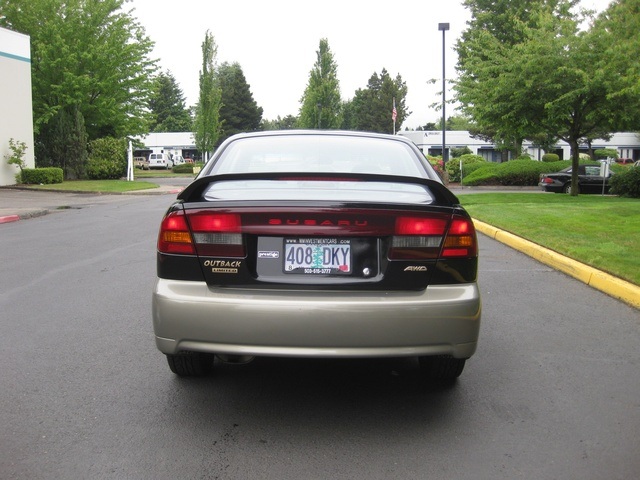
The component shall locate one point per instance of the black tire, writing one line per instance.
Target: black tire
(441, 367)
(191, 364)
(567, 188)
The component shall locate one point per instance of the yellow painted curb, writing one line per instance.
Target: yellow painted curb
(613, 286)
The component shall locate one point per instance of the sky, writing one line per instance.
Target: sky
(276, 41)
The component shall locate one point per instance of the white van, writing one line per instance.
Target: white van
(178, 160)
(160, 160)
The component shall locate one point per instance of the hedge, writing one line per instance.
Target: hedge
(42, 176)
(626, 183)
(453, 166)
(550, 157)
(184, 168)
(515, 172)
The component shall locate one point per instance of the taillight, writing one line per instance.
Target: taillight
(547, 180)
(174, 236)
(211, 234)
(417, 237)
(217, 234)
(461, 239)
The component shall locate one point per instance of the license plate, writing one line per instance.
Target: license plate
(317, 256)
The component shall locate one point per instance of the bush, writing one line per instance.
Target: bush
(603, 153)
(44, 176)
(550, 157)
(184, 168)
(515, 172)
(457, 152)
(453, 166)
(107, 159)
(626, 184)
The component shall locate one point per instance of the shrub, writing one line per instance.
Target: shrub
(550, 157)
(515, 172)
(453, 166)
(626, 184)
(44, 176)
(184, 168)
(457, 152)
(107, 159)
(603, 153)
(437, 164)
(18, 149)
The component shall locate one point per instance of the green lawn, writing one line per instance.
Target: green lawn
(106, 186)
(603, 232)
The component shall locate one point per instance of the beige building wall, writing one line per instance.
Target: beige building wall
(16, 114)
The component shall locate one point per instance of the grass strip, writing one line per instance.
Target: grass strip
(104, 186)
(601, 231)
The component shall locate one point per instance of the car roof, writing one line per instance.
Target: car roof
(342, 133)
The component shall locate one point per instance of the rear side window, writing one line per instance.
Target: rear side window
(309, 153)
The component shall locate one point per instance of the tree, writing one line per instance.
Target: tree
(167, 104)
(559, 81)
(456, 123)
(373, 105)
(321, 103)
(239, 111)
(93, 56)
(484, 51)
(69, 143)
(287, 123)
(207, 127)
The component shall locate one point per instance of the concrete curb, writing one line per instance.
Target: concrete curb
(9, 218)
(612, 286)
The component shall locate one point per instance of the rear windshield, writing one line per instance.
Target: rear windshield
(319, 153)
(321, 190)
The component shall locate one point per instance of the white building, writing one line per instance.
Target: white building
(173, 143)
(430, 142)
(16, 119)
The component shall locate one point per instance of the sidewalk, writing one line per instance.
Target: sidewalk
(21, 203)
(18, 204)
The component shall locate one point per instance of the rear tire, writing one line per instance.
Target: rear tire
(441, 368)
(567, 188)
(191, 364)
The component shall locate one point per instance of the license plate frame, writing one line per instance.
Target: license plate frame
(317, 256)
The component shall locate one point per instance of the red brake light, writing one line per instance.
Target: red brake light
(417, 237)
(211, 234)
(218, 222)
(217, 234)
(420, 226)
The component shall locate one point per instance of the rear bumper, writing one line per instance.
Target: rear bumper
(441, 320)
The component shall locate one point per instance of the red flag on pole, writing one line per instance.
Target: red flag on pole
(394, 112)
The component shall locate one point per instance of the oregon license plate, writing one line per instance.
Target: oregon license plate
(317, 256)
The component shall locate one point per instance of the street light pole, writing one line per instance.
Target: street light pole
(443, 27)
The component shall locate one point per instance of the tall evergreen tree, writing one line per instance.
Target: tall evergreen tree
(207, 126)
(167, 105)
(239, 111)
(372, 106)
(321, 103)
